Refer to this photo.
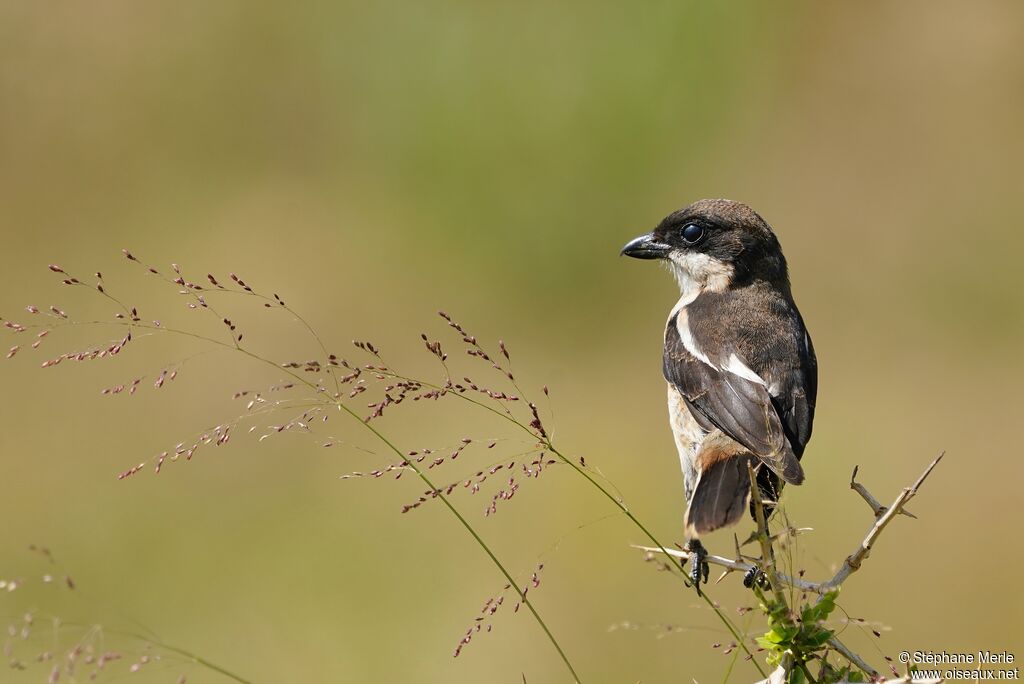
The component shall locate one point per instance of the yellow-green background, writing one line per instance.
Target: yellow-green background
(374, 162)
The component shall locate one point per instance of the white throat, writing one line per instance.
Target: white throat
(696, 272)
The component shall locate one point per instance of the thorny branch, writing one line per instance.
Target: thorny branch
(883, 516)
(877, 508)
(851, 564)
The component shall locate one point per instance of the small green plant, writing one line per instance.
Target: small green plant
(799, 636)
(803, 639)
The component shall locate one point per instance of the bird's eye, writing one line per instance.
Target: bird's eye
(692, 233)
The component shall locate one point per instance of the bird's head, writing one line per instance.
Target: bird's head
(714, 244)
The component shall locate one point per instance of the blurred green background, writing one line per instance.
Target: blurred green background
(374, 162)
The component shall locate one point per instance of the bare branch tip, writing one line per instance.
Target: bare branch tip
(927, 471)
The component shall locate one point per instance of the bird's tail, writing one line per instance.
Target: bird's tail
(720, 496)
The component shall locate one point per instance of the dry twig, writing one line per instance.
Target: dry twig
(883, 516)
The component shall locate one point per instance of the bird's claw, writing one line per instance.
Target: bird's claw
(755, 576)
(700, 568)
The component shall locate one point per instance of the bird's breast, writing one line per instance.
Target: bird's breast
(688, 436)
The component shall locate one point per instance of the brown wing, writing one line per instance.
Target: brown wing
(740, 408)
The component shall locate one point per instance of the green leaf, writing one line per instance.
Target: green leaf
(827, 604)
(810, 614)
(818, 638)
(788, 631)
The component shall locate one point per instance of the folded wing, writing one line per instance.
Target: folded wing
(774, 429)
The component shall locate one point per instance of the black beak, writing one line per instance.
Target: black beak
(646, 247)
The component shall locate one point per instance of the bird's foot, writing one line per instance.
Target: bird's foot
(700, 567)
(755, 576)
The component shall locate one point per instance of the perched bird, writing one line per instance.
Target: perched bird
(742, 376)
